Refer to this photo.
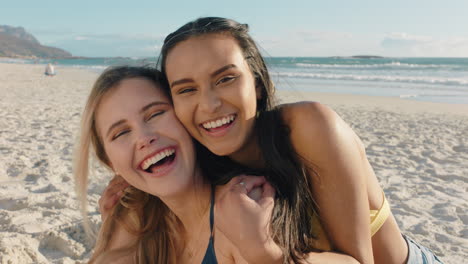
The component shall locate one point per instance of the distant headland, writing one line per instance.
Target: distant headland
(15, 42)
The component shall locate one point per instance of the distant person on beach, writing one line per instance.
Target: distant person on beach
(167, 215)
(49, 70)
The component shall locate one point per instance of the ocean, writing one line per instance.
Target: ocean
(442, 80)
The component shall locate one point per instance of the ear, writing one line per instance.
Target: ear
(258, 90)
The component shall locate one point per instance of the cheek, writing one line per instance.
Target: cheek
(247, 97)
(183, 112)
(117, 158)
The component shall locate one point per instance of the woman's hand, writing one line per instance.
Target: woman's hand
(111, 195)
(243, 213)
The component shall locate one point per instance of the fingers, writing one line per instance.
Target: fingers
(239, 188)
(248, 181)
(255, 187)
(268, 195)
(112, 194)
(117, 187)
(256, 193)
(268, 190)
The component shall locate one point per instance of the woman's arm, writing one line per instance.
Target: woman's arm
(337, 165)
(243, 213)
(329, 258)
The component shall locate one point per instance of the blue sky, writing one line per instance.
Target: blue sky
(399, 28)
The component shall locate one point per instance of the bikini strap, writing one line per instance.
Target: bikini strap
(381, 216)
(212, 210)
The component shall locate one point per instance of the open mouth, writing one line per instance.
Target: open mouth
(219, 124)
(160, 160)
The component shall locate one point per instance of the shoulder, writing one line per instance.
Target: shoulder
(314, 117)
(317, 130)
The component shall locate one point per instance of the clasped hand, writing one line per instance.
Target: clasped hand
(243, 212)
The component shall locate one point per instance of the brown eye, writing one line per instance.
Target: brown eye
(185, 90)
(226, 79)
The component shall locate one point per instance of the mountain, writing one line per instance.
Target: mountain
(17, 43)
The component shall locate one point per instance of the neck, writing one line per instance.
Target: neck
(191, 206)
(249, 155)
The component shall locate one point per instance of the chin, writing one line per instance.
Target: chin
(221, 151)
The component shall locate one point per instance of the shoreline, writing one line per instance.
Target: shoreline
(386, 103)
(306, 75)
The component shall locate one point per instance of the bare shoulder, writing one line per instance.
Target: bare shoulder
(313, 118)
(317, 130)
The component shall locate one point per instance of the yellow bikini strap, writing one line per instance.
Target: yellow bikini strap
(380, 217)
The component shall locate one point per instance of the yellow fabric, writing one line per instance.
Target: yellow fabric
(377, 219)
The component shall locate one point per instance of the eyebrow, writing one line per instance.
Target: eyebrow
(143, 109)
(218, 71)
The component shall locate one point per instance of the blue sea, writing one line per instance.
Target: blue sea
(426, 79)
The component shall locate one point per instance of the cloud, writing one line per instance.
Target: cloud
(317, 36)
(404, 44)
(404, 39)
(303, 42)
(151, 48)
(81, 38)
(52, 32)
(108, 45)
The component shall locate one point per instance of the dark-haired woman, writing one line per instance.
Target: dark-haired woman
(327, 193)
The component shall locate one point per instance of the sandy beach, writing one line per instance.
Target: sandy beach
(419, 151)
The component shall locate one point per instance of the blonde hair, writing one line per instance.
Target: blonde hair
(143, 215)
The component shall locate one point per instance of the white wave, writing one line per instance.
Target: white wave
(15, 60)
(395, 64)
(384, 78)
(94, 67)
(408, 95)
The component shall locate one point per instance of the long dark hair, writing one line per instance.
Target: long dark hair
(294, 204)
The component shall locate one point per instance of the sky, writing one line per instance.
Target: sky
(306, 28)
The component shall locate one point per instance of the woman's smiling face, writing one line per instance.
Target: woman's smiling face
(143, 139)
(213, 91)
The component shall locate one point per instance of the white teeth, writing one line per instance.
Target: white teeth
(161, 155)
(219, 122)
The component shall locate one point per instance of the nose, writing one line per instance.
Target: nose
(209, 101)
(146, 138)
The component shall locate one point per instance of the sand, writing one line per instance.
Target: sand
(418, 150)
